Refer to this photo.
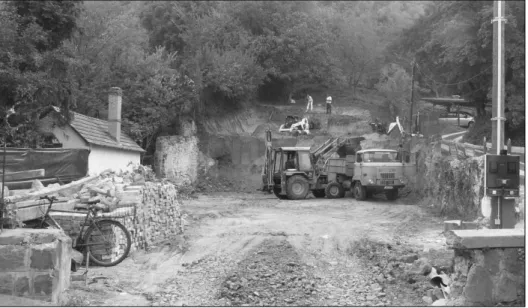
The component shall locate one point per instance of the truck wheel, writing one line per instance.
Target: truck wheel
(319, 193)
(334, 190)
(391, 194)
(297, 188)
(276, 191)
(360, 192)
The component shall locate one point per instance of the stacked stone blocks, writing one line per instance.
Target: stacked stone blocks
(35, 264)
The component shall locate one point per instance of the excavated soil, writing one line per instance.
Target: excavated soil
(272, 274)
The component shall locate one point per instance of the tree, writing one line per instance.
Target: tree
(113, 50)
(34, 66)
(453, 46)
(293, 44)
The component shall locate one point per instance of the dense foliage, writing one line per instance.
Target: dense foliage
(197, 59)
(453, 43)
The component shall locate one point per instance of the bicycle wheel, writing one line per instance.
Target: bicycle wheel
(108, 242)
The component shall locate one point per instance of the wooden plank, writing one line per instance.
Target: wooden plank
(17, 192)
(48, 191)
(27, 184)
(34, 212)
(29, 203)
(23, 175)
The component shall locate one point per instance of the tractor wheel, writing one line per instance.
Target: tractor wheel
(276, 191)
(360, 192)
(319, 193)
(334, 190)
(297, 187)
(391, 194)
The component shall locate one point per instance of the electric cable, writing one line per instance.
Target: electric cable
(451, 84)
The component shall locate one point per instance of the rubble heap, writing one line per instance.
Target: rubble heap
(147, 207)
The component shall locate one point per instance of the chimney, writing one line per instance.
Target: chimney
(114, 113)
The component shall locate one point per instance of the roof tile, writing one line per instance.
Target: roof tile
(95, 131)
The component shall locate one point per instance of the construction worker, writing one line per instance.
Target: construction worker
(309, 106)
(328, 104)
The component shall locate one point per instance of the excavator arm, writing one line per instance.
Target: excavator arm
(321, 154)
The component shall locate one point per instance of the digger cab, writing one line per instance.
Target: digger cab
(289, 162)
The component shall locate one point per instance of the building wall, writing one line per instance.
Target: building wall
(66, 135)
(177, 157)
(102, 158)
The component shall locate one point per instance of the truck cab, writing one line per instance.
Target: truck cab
(379, 171)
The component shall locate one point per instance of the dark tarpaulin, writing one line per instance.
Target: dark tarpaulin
(65, 164)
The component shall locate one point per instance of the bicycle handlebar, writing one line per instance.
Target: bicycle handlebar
(53, 198)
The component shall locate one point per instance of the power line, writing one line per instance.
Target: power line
(451, 84)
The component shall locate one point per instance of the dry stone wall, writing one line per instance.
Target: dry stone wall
(487, 277)
(176, 158)
(454, 186)
(154, 216)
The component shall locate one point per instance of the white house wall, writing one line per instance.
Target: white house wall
(65, 135)
(103, 158)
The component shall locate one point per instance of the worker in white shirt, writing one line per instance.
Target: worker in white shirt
(328, 104)
(310, 103)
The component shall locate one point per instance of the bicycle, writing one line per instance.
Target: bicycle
(99, 240)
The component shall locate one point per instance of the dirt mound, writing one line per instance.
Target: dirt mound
(271, 275)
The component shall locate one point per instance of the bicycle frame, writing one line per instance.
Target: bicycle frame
(88, 221)
(46, 215)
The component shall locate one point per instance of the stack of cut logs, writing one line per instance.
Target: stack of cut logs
(149, 210)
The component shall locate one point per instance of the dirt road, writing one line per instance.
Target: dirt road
(253, 249)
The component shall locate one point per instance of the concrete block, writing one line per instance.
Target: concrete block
(44, 257)
(469, 225)
(452, 225)
(43, 285)
(22, 286)
(12, 258)
(7, 281)
(14, 301)
(43, 271)
(485, 238)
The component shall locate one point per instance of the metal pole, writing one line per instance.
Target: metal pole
(497, 99)
(412, 97)
(2, 203)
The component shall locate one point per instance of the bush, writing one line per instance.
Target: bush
(481, 129)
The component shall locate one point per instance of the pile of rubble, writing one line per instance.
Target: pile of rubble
(272, 274)
(149, 208)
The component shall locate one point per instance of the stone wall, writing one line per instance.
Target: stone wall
(35, 264)
(176, 158)
(488, 267)
(486, 277)
(453, 186)
(153, 218)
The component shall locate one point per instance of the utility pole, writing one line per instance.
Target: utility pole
(412, 97)
(499, 205)
(498, 92)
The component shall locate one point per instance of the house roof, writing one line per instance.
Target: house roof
(95, 131)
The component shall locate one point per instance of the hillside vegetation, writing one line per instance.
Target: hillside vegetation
(199, 59)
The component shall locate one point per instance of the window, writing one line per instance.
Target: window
(381, 157)
(277, 162)
(304, 161)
